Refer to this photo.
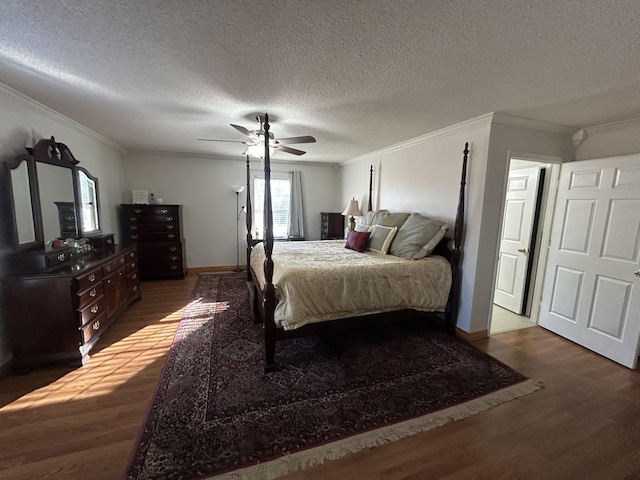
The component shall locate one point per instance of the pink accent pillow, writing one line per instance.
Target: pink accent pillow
(357, 241)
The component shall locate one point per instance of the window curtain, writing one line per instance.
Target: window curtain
(296, 212)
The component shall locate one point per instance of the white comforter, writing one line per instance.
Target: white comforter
(323, 280)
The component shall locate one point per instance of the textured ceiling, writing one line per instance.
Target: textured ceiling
(357, 75)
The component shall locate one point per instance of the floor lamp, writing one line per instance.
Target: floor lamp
(238, 189)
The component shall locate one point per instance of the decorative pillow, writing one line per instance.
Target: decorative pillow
(357, 241)
(393, 220)
(370, 218)
(381, 238)
(418, 236)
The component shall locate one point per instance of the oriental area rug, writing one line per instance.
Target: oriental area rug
(216, 414)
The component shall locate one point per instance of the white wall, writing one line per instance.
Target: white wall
(424, 176)
(23, 122)
(203, 187)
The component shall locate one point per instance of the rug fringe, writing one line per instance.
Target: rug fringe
(334, 450)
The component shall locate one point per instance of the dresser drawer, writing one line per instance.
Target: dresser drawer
(89, 279)
(132, 278)
(113, 265)
(93, 328)
(144, 210)
(90, 295)
(161, 249)
(150, 237)
(153, 227)
(132, 265)
(91, 311)
(57, 257)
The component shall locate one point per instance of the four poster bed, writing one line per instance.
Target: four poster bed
(307, 284)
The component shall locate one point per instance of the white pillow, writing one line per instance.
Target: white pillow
(381, 238)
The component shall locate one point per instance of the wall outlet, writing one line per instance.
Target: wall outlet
(189, 256)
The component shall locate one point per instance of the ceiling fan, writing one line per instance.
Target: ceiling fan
(256, 139)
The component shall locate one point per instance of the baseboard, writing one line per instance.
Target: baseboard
(198, 270)
(472, 337)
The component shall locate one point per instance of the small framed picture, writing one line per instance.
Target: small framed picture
(140, 196)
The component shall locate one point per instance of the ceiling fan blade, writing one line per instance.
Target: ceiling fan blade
(246, 132)
(290, 150)
(303, 139)
(228, 141)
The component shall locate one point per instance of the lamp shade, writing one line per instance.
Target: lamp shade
(352, 209)
(238, 188)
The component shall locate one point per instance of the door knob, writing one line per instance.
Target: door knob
(522, 250)
(637, 273)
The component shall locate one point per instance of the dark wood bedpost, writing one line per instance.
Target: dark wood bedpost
(370, 187)
(269, 302)
(456, 254)
(249, 213)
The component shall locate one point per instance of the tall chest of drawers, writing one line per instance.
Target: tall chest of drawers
(331, 226)
(158, 233)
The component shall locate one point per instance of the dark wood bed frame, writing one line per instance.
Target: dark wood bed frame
(264, 300)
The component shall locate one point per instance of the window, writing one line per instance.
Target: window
(280, 194)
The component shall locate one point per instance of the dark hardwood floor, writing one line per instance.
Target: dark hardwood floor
(82, 423)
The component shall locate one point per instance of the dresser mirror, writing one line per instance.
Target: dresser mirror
(22, 186)
(55, 187)
(88, 202)
(52, 197)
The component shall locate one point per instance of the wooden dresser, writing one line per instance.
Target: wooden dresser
(58, 314)
(157, 231)
(331, 226)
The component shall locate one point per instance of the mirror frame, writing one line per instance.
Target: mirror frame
(78, 201)
(36, 212)
(54, 153)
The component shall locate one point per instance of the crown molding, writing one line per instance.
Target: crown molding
(487, 118)
(234, 158)
(48, 112)
(492, 118)
(501, 118)
(606, 127)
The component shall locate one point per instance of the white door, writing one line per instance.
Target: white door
(515, 242)
(591, 288)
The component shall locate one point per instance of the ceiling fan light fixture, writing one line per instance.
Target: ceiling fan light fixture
(257, 150)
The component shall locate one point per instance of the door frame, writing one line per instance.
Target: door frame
(552, 177)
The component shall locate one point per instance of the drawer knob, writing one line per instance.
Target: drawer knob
(173, 249)
(170, 227)
(93, 292)
(173, 257)
(95, 308)
(134, 276)
(96, 325)
(138, 210)
(135, 288)
(133, 219)
(174, 267)
(92, 278)
(133, 227)
(169, 219)
(171, 235)
(164, 210)
(61, 257)
(133, 237)
(132, 254)
(108, 268)
(110, 241)
(133, 264)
